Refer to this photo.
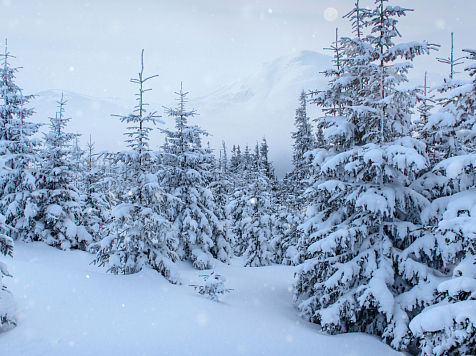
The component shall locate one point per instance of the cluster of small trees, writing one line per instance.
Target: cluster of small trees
(138, 207)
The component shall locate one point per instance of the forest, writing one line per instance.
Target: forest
(376, 215)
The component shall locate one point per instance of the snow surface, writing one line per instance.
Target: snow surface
(65, 306)
(440, 317)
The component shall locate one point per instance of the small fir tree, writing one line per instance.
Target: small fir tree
(57, 200)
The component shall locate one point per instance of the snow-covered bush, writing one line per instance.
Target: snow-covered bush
(214, 285)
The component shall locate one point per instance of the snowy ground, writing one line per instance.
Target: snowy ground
(65, 306)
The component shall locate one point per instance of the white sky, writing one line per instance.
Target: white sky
(94, 47)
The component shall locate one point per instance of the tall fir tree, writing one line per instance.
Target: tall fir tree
(304, 141)
(57, 199)
(140, 234)
(362, 213)
(185, 173)
(19, 152)
(449, 327)
(447, 132)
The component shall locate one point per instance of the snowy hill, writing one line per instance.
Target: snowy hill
(65, 306)
(263, 103)
(89, 116)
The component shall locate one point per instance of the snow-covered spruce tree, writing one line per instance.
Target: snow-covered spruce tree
(449, 328)
(18, 153)
(285, 234)
(214, 285)
(185, 173)
(96, 205)
(266, 164)
(251, 212)
(257, 224)
(221, 188)
(140, 234)
(77, 159)
(237, 210)
(235, 160)
(6, 298)
(247, 168)
(362, 213)
(421, 123)
(57, 201)
(304, 141)
(447, 132)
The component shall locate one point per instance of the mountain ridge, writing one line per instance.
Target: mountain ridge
(261, 103)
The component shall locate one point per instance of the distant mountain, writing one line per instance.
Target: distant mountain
(89, 116)
(262, 103)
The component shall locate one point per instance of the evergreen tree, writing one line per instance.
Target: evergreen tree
(266, 164)
(304, 141)
(235, 160)
(256, 223)
(285, 234)
(6, 298)
(449, 327)
(19, 153)
(77, 160)
(140, 234)
(251, 211)
(362, 213)
(96, 204)
(221, 188)
(421, 124)
(186, 174)
(449, 131)
(57, 200)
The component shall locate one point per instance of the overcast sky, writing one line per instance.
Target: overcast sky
(93, 47)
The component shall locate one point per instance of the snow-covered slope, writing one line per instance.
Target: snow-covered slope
(263, 103)
(65, 306)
